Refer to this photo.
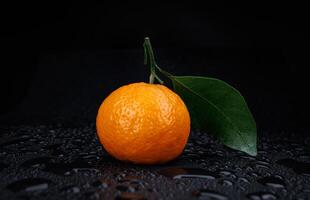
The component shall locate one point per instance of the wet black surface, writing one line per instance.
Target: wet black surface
(61, 162)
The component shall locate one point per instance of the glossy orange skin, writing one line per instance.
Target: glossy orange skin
(143, 123)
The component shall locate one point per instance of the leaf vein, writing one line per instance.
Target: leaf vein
(217, 108)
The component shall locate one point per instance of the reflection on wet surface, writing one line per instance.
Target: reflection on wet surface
(69, 163)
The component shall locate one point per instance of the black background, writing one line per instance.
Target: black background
(60, 60)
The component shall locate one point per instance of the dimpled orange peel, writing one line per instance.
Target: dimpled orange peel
(143, 123)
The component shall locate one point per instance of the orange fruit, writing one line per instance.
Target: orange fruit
(143, 123)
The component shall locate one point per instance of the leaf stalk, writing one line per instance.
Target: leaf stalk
(149, 59)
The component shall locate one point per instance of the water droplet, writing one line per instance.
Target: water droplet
(228, 174)
(262, 164)
(124, 188)
(67, 168)
(248, 168)
(187, 151)
(78, 142)
(208, 194)
(304, 156)
(297, 166)
(261, 152)
(53, 146)
(254, 174)
(2, 152)
(84, 170)
(247, 157)
(225, 182)
(179, 172)
(272, 181)
(132, 180)
(29, 185)
(52, 131)
(58, 153)
(130, 196)
(55, 149)
(100, 184)
(35, 162)
(14, 140)
(225, 173)
(71, 189)
(261, 196)
(243, 180)
(90, 157)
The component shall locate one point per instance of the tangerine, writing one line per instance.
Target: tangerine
(143, 123)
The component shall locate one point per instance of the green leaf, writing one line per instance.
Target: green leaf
(220, 109)
(214, 106)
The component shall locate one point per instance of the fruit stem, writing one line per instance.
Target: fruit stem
(150, 59)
